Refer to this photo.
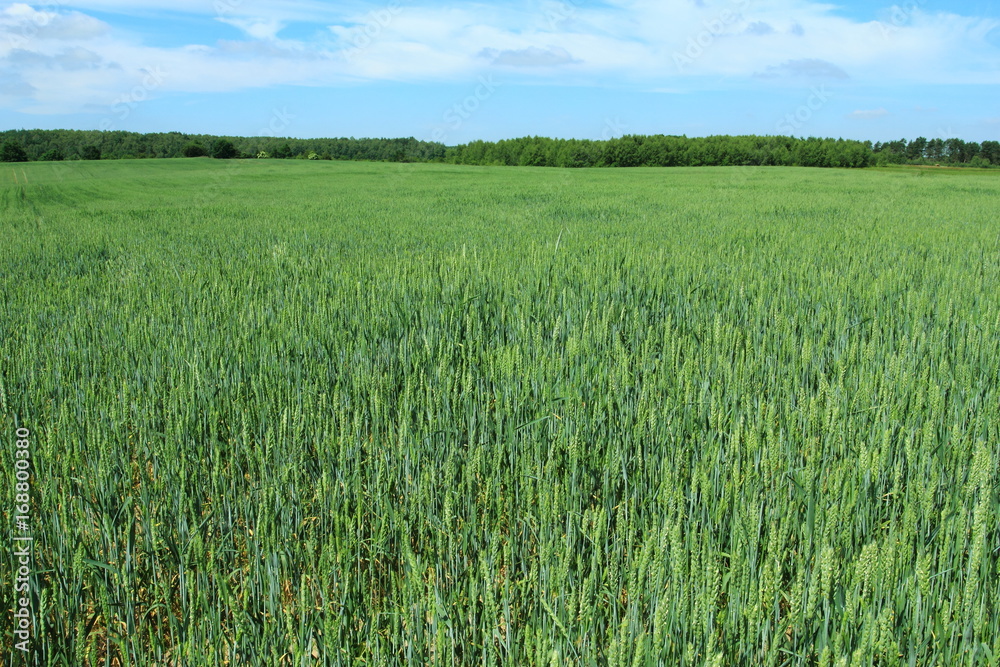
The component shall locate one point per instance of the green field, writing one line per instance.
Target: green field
(385, 414)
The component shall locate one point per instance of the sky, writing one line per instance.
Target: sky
(456, 72)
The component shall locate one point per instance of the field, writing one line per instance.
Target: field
(311, 413)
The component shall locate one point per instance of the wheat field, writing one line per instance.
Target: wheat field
(300, 413)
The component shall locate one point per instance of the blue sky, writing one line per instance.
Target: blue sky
(456, 72)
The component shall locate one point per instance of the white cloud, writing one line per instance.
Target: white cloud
(263, 29)
(529, 57)
(759, 28)
(12, 84)
(812, 68)
(21, 24)
(299, 10)
(72, 59)
(58, 61)
(868, 114)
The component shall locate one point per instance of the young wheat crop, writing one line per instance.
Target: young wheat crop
(329, 415)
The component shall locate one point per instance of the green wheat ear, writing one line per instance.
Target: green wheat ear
(290, 416)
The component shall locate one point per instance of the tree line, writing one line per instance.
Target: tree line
(94, 144)
(627, 151)
(938, 151)
(667, 151)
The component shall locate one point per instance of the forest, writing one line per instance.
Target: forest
(627, 151)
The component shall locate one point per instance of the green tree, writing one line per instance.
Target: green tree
(194, 150)
(91, 153)
(935, 149)
(532, 155)
(223, 149)
(623, 152)
(954, 149)
(916, 149)
(991, 151)
(12, 152)
(53, 155)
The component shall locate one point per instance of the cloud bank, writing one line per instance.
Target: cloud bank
(62, 60)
